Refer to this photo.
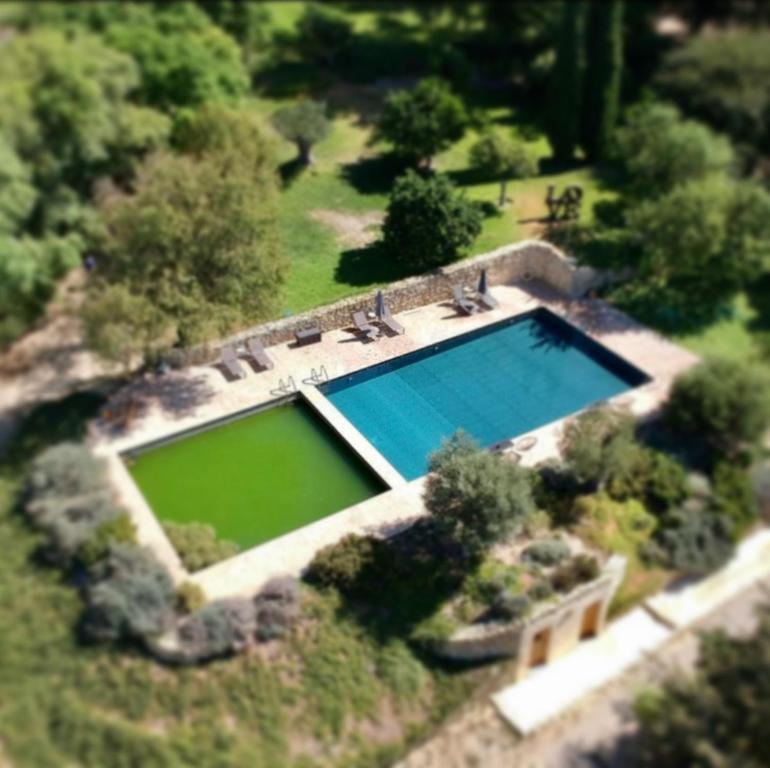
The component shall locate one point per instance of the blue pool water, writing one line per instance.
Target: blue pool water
(496, 383)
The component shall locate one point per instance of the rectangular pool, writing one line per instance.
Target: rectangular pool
(495, 383)
(254, 477)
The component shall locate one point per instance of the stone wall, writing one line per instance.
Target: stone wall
(530, 259)
(562, 618)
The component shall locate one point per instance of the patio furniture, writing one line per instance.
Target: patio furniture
(485, 297)
(257, 351)
(464, 305)
(229, 360)
(384, 316)
(526, 443)
(307, 336)
(501, 446)
(370, 331)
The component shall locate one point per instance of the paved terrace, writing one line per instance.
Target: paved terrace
(199, 394)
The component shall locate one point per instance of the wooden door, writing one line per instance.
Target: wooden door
(590, 624)
(539, 652)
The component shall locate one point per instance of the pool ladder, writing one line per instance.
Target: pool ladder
(285, 387)
(317, 376)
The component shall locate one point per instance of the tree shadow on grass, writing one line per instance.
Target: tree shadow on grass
(290, 170)
(373, 175)
(368, 266)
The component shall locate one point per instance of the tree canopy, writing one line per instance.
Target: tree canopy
(499, 157)
(428, 221)
(304, 124)
(423, 121)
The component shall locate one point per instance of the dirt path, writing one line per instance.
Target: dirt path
(598, 731)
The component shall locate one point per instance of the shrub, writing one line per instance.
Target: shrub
(490, 579)
(197, 544)
(541, 589)
(189, 598)
(352, 565)
(734, 497)
(579, 570)
(476, 497)
(546, 551)
(131, 596)
(696, 542)
(65, 470)
(760, 482)
(435, 630)
(510, 606)
(218, 628)
(277, 608)
(428, 222)
(725, 405)
(97, 546)
(597, 444)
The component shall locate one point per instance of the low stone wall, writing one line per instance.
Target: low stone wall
(530, 259)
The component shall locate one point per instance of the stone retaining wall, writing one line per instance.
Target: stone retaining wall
(530, 259)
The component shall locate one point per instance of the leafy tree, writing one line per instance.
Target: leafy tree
(718, 717)
(722, 404)
(246, 22)
(131, 596)
(323, 33)
(206, 228)
(601, 102)
(703, 240)
(17, 192)
(428, 222)
(734, 497)
(197, 544)
(477, 497)
(721, 79)
(423, 121)
(303, 124)
(657, 150)
(501, 158)
(566, 85)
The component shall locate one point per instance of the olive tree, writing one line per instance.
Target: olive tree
(477, 498)
(498, 157)
(304, 124)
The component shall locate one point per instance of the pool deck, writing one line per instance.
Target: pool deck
(193, 397)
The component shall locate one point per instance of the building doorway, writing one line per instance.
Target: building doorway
(589, 627)
(540, 644)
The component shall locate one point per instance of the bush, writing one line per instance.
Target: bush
(546, 552)
(189, 598)
(435, 630)
(323, 33)
(541, 589)
(476, 497)
(64, 471)
(118, 530)
(197, 544)
(579, 570)
(277, 608)
(218, 628)
(760, 482)
(490, 579)
(510, 606)
(353, 565)
(734, 497)
(696, 542)
(428, 222)
(722, 404)
(131, 596)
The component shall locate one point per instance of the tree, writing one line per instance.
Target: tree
(566, 85)
(304, 124)
(720, 78)
(323, 33)
(501, 158)
(601, 102)
(704, 240)
(477, 498)
(721, 404)
(422, 122)
(657, 150)
(718, 716)
(205, 226)
(428, 222)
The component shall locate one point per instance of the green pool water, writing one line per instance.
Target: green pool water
(256, 477)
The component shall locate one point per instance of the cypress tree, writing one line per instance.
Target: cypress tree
(563, 124)
(604, 45)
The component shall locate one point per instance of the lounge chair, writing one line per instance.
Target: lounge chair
(229, 360)
(391, 323)
(257, 351)
(488, 300)
(370, 331)
(465, 306)
(526, 443)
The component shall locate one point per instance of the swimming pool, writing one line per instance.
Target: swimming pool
(495, 383)
(253, 477)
